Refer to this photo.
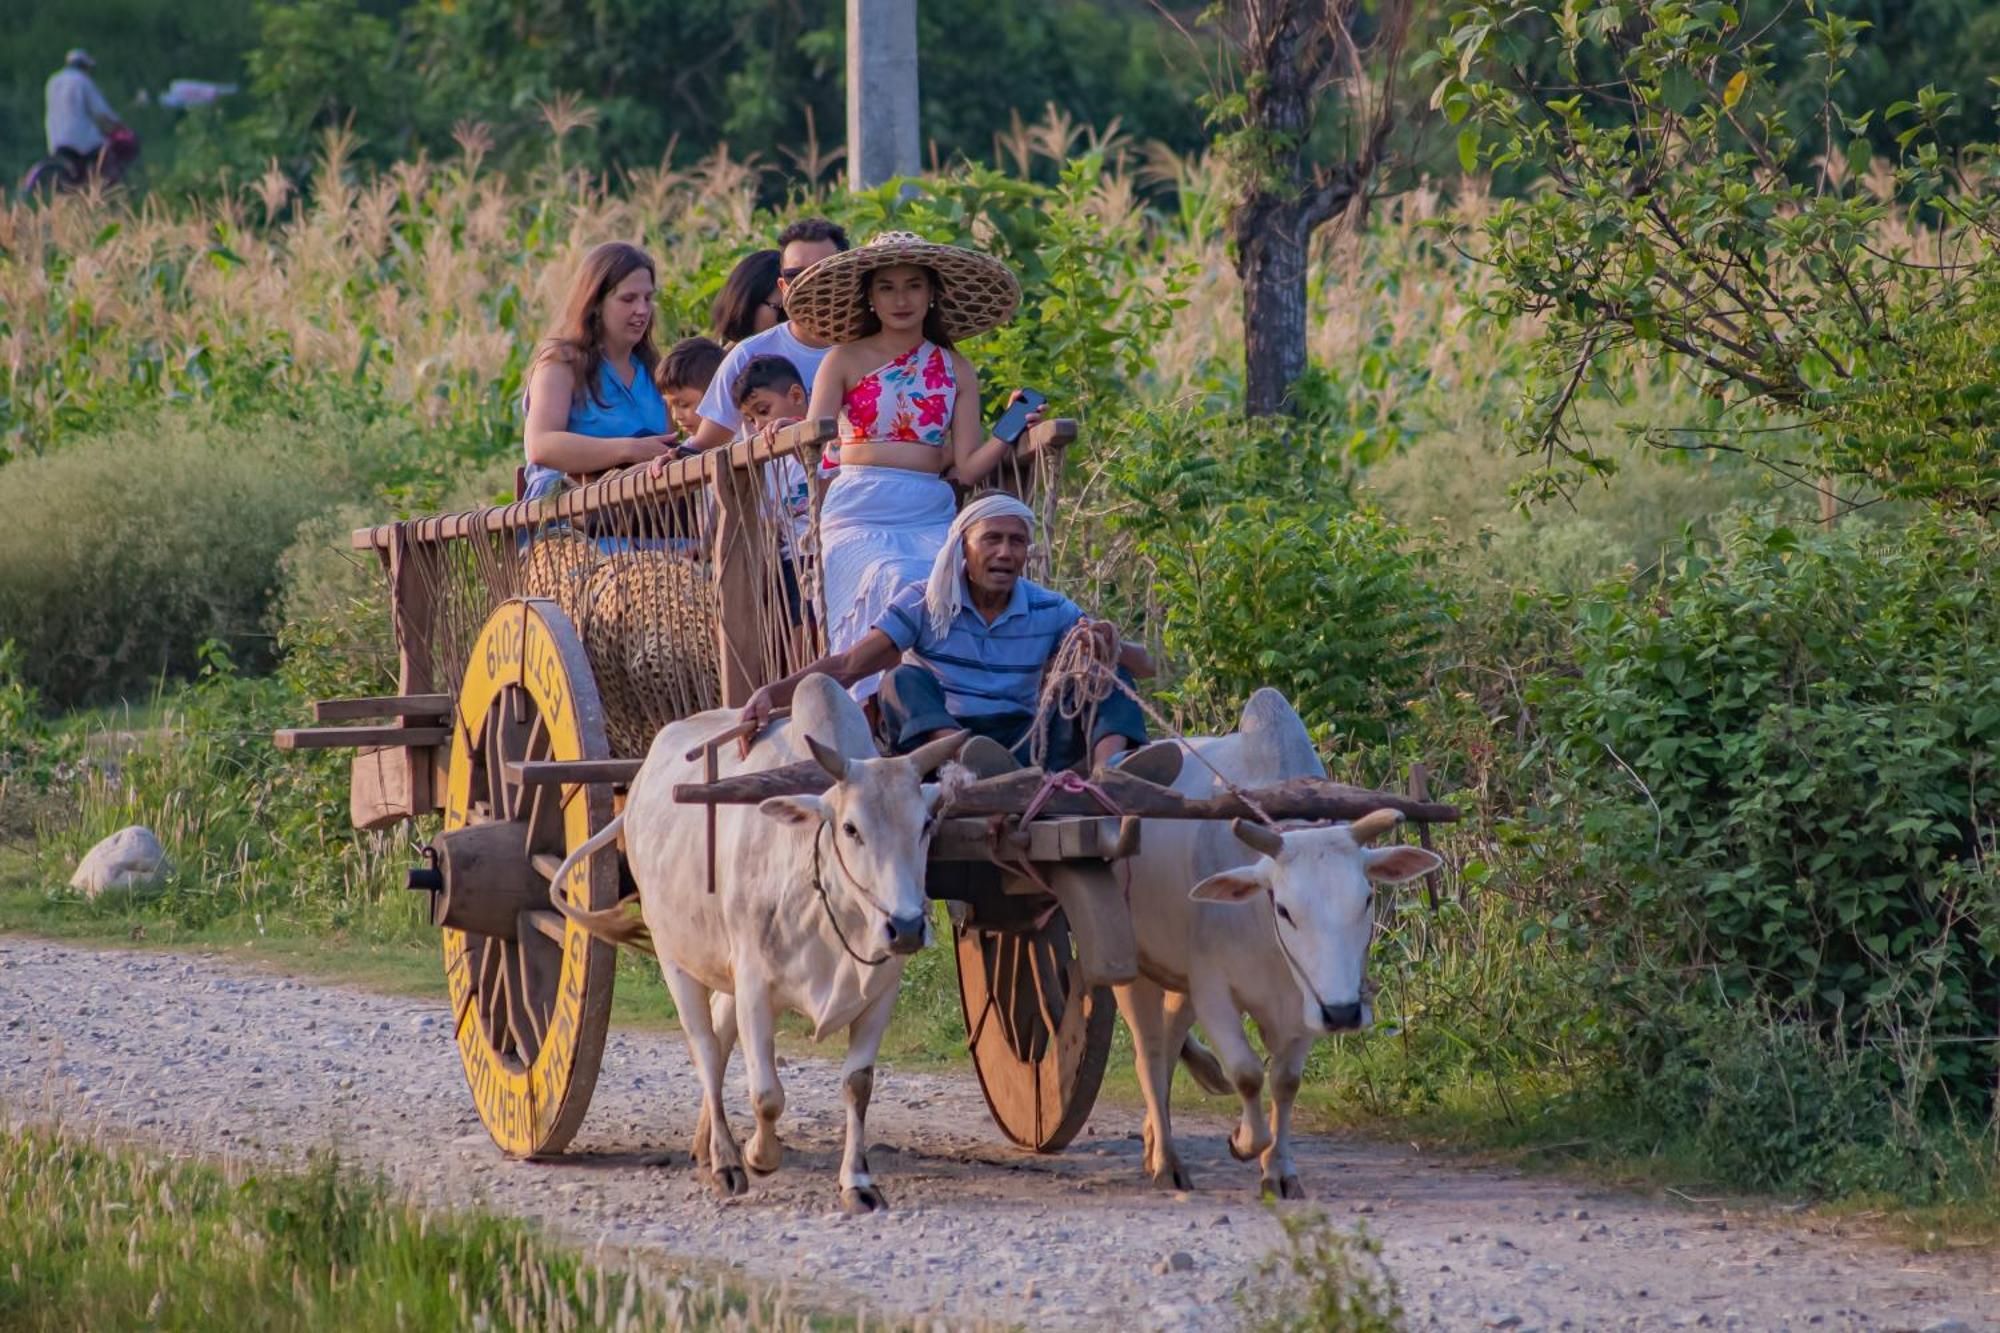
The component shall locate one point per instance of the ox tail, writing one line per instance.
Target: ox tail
(620, 924)
(1206, 1069)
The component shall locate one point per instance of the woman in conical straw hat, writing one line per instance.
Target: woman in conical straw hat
(908, 403)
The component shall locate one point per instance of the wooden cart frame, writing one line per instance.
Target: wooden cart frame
(500, 725)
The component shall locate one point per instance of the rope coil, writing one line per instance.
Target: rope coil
(1081, 675)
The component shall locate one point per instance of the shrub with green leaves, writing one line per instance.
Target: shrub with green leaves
(126, 550)
(1265, 570)
(1332, 608)
(1781, 760)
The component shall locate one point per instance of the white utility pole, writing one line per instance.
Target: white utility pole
(882, 139)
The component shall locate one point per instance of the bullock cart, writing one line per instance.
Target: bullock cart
(542, 645)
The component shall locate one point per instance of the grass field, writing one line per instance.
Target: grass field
(102, 1237)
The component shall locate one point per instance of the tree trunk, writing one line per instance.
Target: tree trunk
(1288, 56)
(1293, 52)
(1271, 261)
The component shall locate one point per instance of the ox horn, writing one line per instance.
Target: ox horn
(931, 754)
(828, 758)
(1373, 825)
(1257, 837)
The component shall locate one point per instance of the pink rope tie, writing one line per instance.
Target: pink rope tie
(1071, 784)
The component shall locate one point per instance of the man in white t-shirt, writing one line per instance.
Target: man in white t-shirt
(800, 246)
(77, 116)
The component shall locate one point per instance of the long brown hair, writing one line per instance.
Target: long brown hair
(575, 337)
(934, 330)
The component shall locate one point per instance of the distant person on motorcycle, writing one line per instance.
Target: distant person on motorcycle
(78, 118)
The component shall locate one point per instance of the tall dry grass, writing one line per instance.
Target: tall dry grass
(425, 286)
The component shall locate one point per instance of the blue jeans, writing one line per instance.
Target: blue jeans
(911, 704)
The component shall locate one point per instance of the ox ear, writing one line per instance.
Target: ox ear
(794, 809)
(1393, 865)
(1234, 886)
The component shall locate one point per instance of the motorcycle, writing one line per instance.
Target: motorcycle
(73, 171)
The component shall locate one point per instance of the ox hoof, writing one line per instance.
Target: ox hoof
(1255, 1149)
(1174, 1177)
(1286, 1188)
(729, 1181)
(763, 1163)
(859, 1199)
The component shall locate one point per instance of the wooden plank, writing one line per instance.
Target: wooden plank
(739, 586)
(680, 477)
(1055, 433)
(388, 705)
(547, 772)
(548, 922)
(340, 738)
(378, 787)
(413, 574)
(967, 840)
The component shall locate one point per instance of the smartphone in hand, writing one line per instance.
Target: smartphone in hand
(1015, 419)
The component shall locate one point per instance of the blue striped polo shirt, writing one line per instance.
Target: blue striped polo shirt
(985, 669)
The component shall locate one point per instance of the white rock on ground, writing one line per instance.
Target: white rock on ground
(131, 858)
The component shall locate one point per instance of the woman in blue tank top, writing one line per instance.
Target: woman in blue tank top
(591, 401)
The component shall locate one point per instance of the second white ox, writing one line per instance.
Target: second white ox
(1246, 920)
(815, 913)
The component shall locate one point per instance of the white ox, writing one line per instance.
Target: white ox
(1283, 938)
(815, 913)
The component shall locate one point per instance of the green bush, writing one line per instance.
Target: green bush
(1265, 570)
(1768, 1102)
(125, 551)
(250, 829)
(1781, 763)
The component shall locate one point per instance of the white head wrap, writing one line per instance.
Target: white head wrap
(944, 593)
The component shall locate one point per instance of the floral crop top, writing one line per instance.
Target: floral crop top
(908, 401)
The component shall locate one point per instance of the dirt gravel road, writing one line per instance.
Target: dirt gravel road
(197, 1055)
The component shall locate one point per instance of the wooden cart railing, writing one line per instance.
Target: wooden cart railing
(719, 505)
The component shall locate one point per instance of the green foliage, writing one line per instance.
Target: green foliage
(1097, 290)
(1770, 1103)
(768, 81)
(128, 549)
(250, 828)
(38, 762)
(1786, 798)
(112, 1238)
(1324, 1280)
(1855, 308)
(1262, 573)
(1332, 608)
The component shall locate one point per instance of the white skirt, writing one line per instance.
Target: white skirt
(880, 529)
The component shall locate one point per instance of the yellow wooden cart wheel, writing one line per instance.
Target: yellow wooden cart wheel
(530, 991)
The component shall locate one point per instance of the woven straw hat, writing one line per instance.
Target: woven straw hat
(977, 292)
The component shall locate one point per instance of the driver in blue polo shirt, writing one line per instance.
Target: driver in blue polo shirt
(974, 640)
